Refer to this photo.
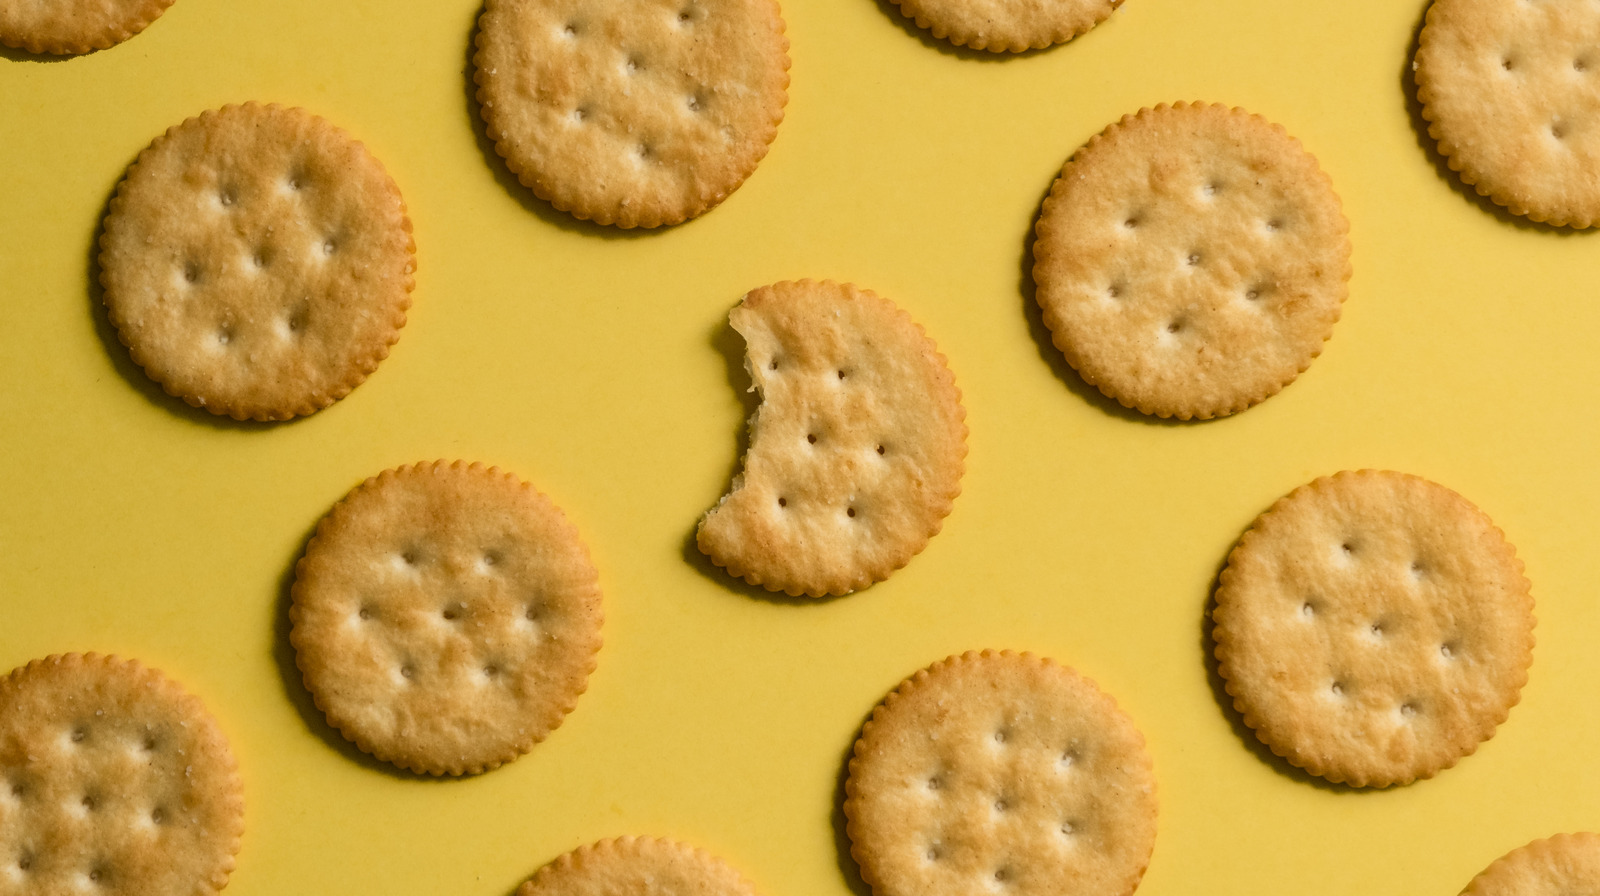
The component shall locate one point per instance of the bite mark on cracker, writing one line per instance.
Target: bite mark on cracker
(856, 452)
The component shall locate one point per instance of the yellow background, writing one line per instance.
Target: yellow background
(599, 366)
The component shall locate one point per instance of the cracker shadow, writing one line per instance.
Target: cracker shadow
(1441, 165)
(294, 685)
(730, 345)
(1246, 734)
(848, 869)
(508, 181)
(926, 38)
(122, 360)
(1053, 357)
(15, 54)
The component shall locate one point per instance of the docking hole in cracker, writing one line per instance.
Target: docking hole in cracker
(1191, 260)
(1563, 865)
(1509, 90)
(1001, 26)
(257, 262)
(113, 780)
(856, 452)
(1000, 772)
(70, 27)
(636, 114)
(1373, 628)
(445, 617)
(636, 866)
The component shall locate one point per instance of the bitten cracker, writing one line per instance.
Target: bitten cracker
(257, 262)
(636, 114)
(113, 780)
(1007, 25)
(445, 617)
(856, 452)
(1000, 772)
(637, 865)
(1191, 260)
(1510, 93)
(1373, 628)
(1563, 865)
(67, 27)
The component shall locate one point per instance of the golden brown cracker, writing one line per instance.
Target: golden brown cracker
(637, 865)
(1000, 772)
(856, 452)
(67, 27)
(112, 780)
(637, 114)
(1563, 865)
(1191, 260)
(1509, 90)
(1373, 627)
(446, 617)
(1007, 25)
(257, 262)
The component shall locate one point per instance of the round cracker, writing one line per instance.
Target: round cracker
(856, 452)
(999, 770)
(112, 780)
(1373, 627)
(637, 865)
(1191, 260)
(68, 27)
(445, 617)
(1558, 866)
(1007, 25)
(638, 114)
(1511, 93)
(257, 262)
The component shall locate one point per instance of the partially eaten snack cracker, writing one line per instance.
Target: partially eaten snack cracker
(113, 780)
(1563, 865)
(1000, 772)
(636, 114)
(257, 262)
(856, 452)
(1373, 628)
(1000, 26)
(636, 866)
(1508, 89)
(445, 617)
(69, 27)
(1191, 260)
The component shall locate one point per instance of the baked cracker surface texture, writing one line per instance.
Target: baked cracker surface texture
(1001, 26)
(1000, 772)
(1510, 92)
(637, 865)
(257, 262)
(70, 27)
(1191, 260)
(856, 452)
(1563, 865)
(113, 780)
(636, 114)
(1373, 627)
(445, 617)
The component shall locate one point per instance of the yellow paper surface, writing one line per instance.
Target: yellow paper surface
(599, 365)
